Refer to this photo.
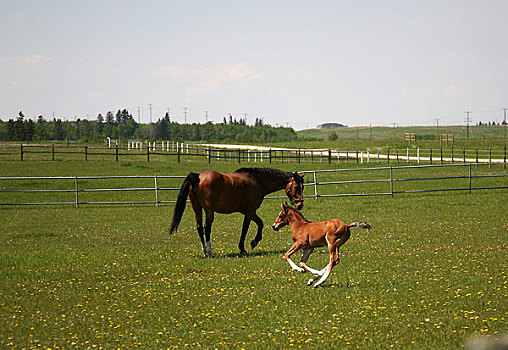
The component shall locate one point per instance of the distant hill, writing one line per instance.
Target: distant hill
(331, 126)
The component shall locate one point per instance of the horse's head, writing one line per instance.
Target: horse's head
(294, 190)
(282, 219)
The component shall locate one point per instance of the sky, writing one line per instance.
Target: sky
(291, 63)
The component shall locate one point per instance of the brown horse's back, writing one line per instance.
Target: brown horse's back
(227, 193)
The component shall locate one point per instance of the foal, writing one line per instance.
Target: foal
(309, 235)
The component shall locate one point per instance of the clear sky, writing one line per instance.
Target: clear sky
(297, 62)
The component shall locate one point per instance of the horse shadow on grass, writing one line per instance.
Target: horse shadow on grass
(249, 255)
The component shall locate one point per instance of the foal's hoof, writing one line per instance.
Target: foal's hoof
(253, 244)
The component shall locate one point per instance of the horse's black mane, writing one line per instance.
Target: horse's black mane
(265, 171)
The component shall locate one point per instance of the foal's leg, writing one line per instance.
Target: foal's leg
(259, 235)
(334, 260)
(296, 246)
(208, 230)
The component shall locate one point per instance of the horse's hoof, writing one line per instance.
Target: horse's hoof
(253, 244)
(243, 252)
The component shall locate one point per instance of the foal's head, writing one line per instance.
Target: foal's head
(294, 190)
(286, 215)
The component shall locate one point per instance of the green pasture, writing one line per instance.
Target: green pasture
(430, 274)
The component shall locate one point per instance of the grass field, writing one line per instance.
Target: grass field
(430, 274)
(378, 133)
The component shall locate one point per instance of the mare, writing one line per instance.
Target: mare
(309, 235)
(241, 191)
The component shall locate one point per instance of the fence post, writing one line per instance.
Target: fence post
(431, 155)
(388, 155)
(490, 157)
(464, 154)
(315, 185)
(239, 155)
(116, 152)
(329, 156)
(477, 155)
(452, 155)
(209, 155)
(441, 155)
(53, 153)
(77, 193)
(504, 161)
(391, 182)
(178, 151)
(156, 192)
(270, 155)
(86, 153)
(397, 154)
(470, 178)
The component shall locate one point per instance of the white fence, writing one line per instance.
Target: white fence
(381, 181)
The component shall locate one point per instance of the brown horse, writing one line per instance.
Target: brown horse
(241, 191)
(309, 235)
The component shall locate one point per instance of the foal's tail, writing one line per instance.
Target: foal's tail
(360, 224)
(191, 179)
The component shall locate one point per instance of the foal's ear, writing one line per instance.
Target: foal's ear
(302, 175)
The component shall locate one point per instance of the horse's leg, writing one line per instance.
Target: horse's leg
(245, 228)
(259, 235)
(334, 260)
(296, 246)
(208, 231)
(198, 214)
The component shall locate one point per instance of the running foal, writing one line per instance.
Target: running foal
(309, 235)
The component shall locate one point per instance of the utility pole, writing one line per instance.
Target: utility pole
(185, 114)
(150, 112)
(206, 117)
(139, 116)
(504, 122)
(468, 120)
(437, 127)
(245, 118)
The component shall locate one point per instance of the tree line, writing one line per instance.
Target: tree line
(122, 126)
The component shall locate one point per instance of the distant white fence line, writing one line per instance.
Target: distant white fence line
(247, 153)
(76, 187)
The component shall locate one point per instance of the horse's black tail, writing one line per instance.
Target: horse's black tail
(360, 224)
(191, 179)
